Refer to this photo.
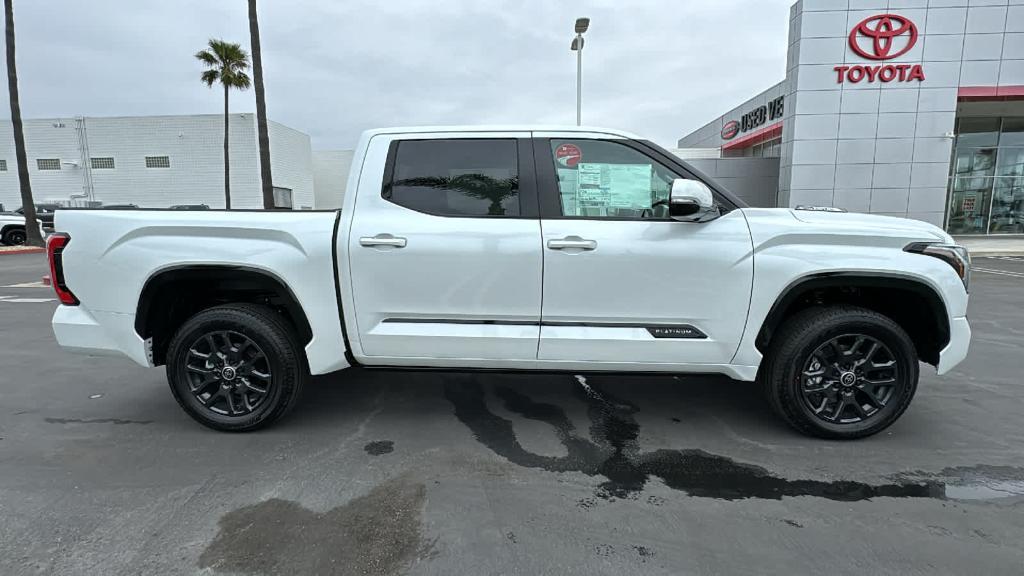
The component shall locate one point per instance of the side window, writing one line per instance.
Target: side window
(603, 178)
(472, 177)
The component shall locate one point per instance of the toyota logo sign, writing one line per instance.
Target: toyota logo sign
(882, 37)
(886, 36)
(730, 130)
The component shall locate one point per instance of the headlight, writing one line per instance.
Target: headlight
(953, 254)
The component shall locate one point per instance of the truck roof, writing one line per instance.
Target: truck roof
(500, 128)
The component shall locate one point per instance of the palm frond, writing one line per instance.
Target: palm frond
(210, 77)
(240, 80)
(207, 57)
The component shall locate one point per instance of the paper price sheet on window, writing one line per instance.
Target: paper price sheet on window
(614, 186)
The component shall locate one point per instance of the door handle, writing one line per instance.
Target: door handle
(383, 240)
(572, 242)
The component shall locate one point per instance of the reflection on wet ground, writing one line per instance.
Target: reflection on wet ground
(612, 452)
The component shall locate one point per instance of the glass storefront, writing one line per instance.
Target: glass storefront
(767, 149)
(987, 177)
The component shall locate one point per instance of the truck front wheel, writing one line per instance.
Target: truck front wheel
(236, 367)
(840, 372)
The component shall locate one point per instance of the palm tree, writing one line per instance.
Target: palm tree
(226, 63)
(33, 237)
(261, 108)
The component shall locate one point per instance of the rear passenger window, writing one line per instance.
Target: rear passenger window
(472, 177)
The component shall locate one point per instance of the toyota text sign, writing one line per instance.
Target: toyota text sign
(880, 38)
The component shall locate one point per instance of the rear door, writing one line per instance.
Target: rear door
(623, 283)
(444, 251)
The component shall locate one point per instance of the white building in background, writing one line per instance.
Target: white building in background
(330, 175)
(154, 162)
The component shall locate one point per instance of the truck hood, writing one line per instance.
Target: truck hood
(859, 220)
(783, 225)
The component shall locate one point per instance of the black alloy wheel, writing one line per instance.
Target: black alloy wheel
(236, 367)
(228, 373)
(15, 237)
(849, 379)
(840, 371)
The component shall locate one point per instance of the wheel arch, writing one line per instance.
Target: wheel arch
(908, 300)
(7, 227)
(172, 295)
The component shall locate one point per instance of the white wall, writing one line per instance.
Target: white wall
(291, 159)
(330, 174)
(195, 145)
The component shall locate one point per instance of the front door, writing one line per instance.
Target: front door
(623, 283)
(445, 257)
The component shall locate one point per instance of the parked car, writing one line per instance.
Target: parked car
(44, 214)
(544, 249)
(12, 229)
(190, 207)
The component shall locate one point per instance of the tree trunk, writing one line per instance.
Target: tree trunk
(33, 238)
(227, 160)
(261, 108)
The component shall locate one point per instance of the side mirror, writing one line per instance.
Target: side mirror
(691, 201)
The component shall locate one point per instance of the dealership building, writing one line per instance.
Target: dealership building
(911, 108)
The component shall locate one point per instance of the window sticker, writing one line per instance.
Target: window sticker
(614, 185)
(968, 205)
(568, 155)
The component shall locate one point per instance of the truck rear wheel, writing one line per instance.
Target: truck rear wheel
(840, 372)
(236, 367)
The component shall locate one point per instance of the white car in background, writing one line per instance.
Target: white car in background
(519, 249)
(12, 229)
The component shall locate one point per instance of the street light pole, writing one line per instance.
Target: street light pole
(577, 46)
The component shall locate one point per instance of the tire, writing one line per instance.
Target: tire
(258, 346)
(14, 237)
(837, 338)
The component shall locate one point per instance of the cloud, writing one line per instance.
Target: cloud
(658, 68)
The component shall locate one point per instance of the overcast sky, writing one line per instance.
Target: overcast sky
(336, 67)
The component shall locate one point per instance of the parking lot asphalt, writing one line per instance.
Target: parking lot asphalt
(437, 473)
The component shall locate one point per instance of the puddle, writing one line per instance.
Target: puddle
(985, 491)
(378, 534)
(610, 450)
(379, 447)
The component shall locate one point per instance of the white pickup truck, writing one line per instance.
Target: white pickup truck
(518, 249)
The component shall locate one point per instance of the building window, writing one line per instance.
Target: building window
(767, 149)
(158, 161)
(3, 165)
(986, 183)
(282, 198)
(48, 163)
(105, 163)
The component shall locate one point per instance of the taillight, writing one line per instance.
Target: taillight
(54, 251)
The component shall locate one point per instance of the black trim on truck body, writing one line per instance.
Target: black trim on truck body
(674, 331)
(883, 280)
(349, 356)
(147, 305)
(547, 178)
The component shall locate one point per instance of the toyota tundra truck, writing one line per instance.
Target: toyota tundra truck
(575, 250)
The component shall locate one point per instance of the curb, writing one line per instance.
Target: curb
(29, 250)
(988, 253)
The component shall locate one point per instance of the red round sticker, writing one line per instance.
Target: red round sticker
(568, 155)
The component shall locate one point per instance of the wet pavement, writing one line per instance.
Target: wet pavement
(432, 473)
